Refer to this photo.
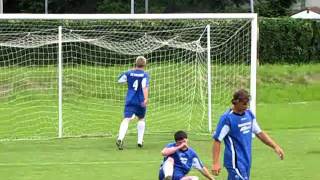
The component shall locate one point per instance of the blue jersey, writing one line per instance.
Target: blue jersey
(184, 160)
(136, 81)
(236, 132)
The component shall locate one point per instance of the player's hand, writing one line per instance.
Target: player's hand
(183, 145)
(279, 151)
(211, 177)
(145, 102)
(216, 168)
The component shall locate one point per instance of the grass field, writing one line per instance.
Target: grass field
(288, 109)
(98, 158)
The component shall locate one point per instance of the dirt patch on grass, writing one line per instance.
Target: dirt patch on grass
(313, 78)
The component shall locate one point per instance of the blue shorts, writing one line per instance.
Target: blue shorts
(237, 175)
(130, 110)
(177, 175)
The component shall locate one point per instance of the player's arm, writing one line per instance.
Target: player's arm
(145, 95)
(167, 151)
(145, 89)
(197, 164)
(206, 173)
(221, 132)
(266, 139)
(216, 148)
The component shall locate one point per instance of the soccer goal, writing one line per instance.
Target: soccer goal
(58, 73)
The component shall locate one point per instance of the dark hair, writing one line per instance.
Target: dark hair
(180, 135)
(240, 95)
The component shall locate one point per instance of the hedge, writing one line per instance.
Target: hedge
(288, 40)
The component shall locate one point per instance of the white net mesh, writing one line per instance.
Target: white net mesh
(28, 85)
(95, 54)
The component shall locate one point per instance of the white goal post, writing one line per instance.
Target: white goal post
(58, 76)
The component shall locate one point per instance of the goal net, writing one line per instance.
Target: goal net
(63, 81)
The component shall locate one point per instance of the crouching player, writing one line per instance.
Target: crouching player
(179, 158)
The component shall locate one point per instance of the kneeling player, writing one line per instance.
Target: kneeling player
(179, 159)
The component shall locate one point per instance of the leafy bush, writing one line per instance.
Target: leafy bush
(287, 40)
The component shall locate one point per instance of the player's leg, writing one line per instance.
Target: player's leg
(178, 175)
(167, 168)
(141, 125)
(128, 115)
(236, 174)
(161, 174)
(168, 172)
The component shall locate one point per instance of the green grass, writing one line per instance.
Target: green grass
(288, 109)
(288, 83)
(289, 116)
(98, 158)
(29, 99)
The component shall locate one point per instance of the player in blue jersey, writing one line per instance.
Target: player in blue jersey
(179, 158)
(136, 100)
(236, 128)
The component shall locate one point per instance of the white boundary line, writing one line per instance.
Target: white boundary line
(294, 103)
(78, 163)
(45, 140)
(302, 102)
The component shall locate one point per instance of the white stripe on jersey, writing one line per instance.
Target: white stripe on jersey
(255, 127)
(196, 164)
(234, 158)
(245, 124)
(122, 79)
(136, 75)
(144, 82)
(224, 131)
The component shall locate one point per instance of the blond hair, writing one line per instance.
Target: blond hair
(141, 62)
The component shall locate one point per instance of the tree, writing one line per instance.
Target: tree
(55, 6)
(29, 6)
(267, 8)
(205, 6)
(114, 6)
(174, 6)
(274, 8)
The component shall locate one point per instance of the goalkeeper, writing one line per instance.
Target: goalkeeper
(136, 100)
(179, 158)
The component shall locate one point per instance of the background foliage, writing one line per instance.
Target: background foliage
(287, 40)
(274, 8)
(265, 8)
(281, 40)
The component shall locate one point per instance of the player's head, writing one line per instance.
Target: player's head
(141, 62)
(180, 137)
(241, 99)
